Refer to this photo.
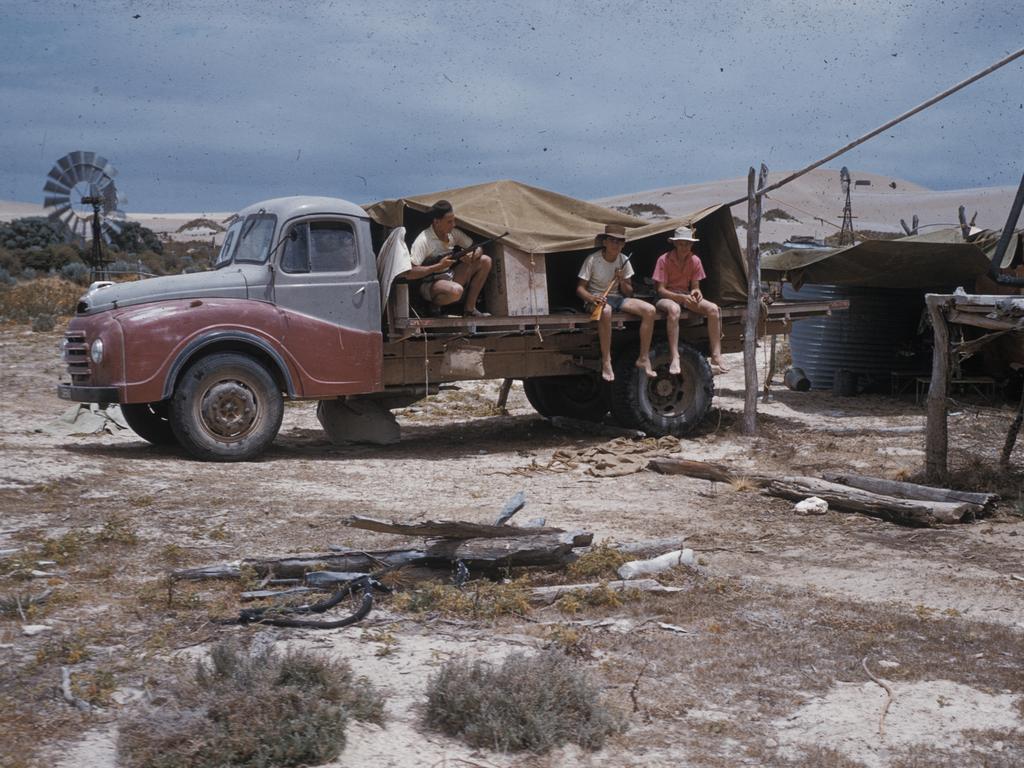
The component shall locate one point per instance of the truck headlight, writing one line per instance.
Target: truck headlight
(96, 351)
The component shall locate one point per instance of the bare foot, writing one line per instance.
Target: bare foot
(477, 313)
(722, 367)
(717, 370)
(606, 372)
(673, 367)
(645, 365)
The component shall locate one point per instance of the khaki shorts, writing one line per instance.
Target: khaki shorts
(427, 286)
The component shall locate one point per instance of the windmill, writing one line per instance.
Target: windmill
(846, 232)
(81, 193)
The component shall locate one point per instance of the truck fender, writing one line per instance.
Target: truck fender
(237, 341)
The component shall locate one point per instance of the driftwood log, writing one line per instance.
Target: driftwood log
(909, 490)
(450, 529)
(912, 512)
(531, 548)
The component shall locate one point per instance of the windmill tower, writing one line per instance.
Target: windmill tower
(81, 194)
(846, 232)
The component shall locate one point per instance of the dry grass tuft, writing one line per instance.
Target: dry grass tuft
(602, 597)
(252, 710)
(530, 703)
(43, 296)
(480, 599)
(742, 483)
(602, 561)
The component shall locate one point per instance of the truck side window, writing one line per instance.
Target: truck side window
(332, 247)
(296, 249)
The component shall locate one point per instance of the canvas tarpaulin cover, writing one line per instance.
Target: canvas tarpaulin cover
(542, 222)
(936, 259)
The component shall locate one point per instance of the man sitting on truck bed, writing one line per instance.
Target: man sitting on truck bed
(455, 275)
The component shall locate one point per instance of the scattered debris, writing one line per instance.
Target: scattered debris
(811, 506)
(548, 595)
(888, 690)
(31, 630)
(65, 687)
(635, 568)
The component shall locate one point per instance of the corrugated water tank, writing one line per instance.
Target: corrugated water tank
(876, 337)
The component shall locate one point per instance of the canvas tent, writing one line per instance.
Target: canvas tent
(542, 222)
(933, 260)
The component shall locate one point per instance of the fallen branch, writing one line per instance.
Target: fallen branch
(888, 690)
(704, 470)
(905, 511)
(908, 490)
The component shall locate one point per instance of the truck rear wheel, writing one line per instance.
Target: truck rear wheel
(150, 421)
(669, 404)
(227, 407)
(584, 397)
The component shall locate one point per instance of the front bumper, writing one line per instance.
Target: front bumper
(80, 394)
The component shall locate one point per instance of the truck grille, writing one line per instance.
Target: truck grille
(76, 355)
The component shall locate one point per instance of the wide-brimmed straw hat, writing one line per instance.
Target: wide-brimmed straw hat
(683, 233)
(612, 230)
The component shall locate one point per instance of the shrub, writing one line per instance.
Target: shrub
(45, 296)
(76, 272)
(640, 210)
(31, 232)
(251, 710)
(530, 703)
(777, 214)
(135, 238)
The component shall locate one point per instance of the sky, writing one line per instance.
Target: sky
(211, 106)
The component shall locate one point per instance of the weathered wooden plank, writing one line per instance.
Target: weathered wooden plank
(702, 469)
(539, 549)
(451, 529)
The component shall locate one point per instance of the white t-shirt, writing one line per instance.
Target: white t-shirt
(598, 272)
(427, 243)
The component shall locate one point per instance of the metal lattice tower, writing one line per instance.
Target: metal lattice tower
(846, 232)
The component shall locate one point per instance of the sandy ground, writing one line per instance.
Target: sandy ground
(767, 669)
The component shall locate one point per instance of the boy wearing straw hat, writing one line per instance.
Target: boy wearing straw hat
(604, 280)
(677, 277)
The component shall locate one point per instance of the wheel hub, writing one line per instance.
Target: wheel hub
(666, 394)
(229, 409)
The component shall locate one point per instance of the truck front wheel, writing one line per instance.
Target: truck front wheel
(668, 405)
(150, 421)
(226, 407)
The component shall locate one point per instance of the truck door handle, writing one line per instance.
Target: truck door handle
(361, 290)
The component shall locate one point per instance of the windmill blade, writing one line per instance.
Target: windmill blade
(58, 212)
(55, 186)
(76, 157)
(65, 164)
(51, 201)
(88, 158)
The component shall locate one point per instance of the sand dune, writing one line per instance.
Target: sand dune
(816, 200)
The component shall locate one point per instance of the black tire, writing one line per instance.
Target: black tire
(535, 395)
(226, 407)
(667, 405)
(150, 421)
(586, 397)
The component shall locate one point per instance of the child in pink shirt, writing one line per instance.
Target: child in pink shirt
(677, 277)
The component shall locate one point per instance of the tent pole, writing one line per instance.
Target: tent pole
(753, 307)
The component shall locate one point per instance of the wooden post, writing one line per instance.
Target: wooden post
(753, 307)
(1011, 436)
(506, 387)
(937, 437)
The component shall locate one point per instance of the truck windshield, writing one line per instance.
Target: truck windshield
(254, 238)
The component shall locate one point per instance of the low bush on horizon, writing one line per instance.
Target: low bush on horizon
(250, 710)
(532, 703)
(777, 214)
